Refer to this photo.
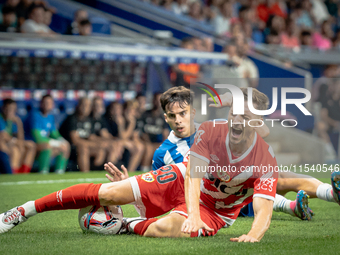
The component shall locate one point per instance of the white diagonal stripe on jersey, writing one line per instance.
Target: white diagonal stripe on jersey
(266, 176)
(182, 147)
(182, 168)
(168, 159)
(237, 202)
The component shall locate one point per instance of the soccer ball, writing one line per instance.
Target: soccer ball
(101, 219)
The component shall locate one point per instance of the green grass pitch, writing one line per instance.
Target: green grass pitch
(59, 232)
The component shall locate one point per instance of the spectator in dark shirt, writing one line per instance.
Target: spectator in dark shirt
(78, 130)
(79, 15)
(112, 144)
(8, 19)
(154, 130)
(122, 123)
(141, 99)
(85, 27)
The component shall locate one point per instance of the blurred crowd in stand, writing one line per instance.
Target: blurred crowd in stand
(290, 23)
(35, 17)
(125, 133)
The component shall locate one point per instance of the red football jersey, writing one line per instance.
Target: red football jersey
(229, 182)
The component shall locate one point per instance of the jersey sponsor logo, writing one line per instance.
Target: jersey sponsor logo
(266, 182)
(148, 177)
(198, 135)
(224, 176)
(214, 158)
(59, 196)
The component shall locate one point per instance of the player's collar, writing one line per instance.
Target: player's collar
(174, 139)
(231, 160)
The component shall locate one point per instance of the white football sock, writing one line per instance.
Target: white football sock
(132, 222)
(325, 192)
(282, 204)
(29, 208)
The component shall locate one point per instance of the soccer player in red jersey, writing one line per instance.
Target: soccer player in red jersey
(159, 191)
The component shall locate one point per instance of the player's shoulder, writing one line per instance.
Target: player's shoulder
(35, 113)
(167, 145)
(213, 128)
(215, 123)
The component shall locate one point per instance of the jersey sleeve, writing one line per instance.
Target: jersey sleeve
(200, 147)
(265, 185)
(36, 121)
(157, 160)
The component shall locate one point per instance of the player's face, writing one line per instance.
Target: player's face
(47, 105)
(239, 129)
(180, 120)
(10, 110)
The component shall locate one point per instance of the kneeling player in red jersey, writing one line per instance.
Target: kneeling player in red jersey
(245, 155)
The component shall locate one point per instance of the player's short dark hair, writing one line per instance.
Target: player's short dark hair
(139, 95)
(260, 100)
(181, 95)
(186, 41)
(7, 102)
(46, 96)
(85, 22)
(32, 7)
(243, 8)
(7, 10)
(97, 98)
(306, 33)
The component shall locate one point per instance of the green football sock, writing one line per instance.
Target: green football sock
(61, 163)
(44, 161)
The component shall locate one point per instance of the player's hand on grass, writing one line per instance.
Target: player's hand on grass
(193, 225)
(244, 239)
(115, 174)
(226, 99)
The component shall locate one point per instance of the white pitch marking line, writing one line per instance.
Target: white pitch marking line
(54, 181)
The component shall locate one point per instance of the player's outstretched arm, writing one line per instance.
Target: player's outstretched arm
(263, 209)
(114, 174)
(192, 194)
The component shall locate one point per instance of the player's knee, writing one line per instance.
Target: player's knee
(44, 146)
(140, 148)
(30, 145)
(108, 194)
(67, 148)
(160, 228)
(83, 149)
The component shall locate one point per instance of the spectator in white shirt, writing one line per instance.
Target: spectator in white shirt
(180, 7)
(222, 20)
(36, 21)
